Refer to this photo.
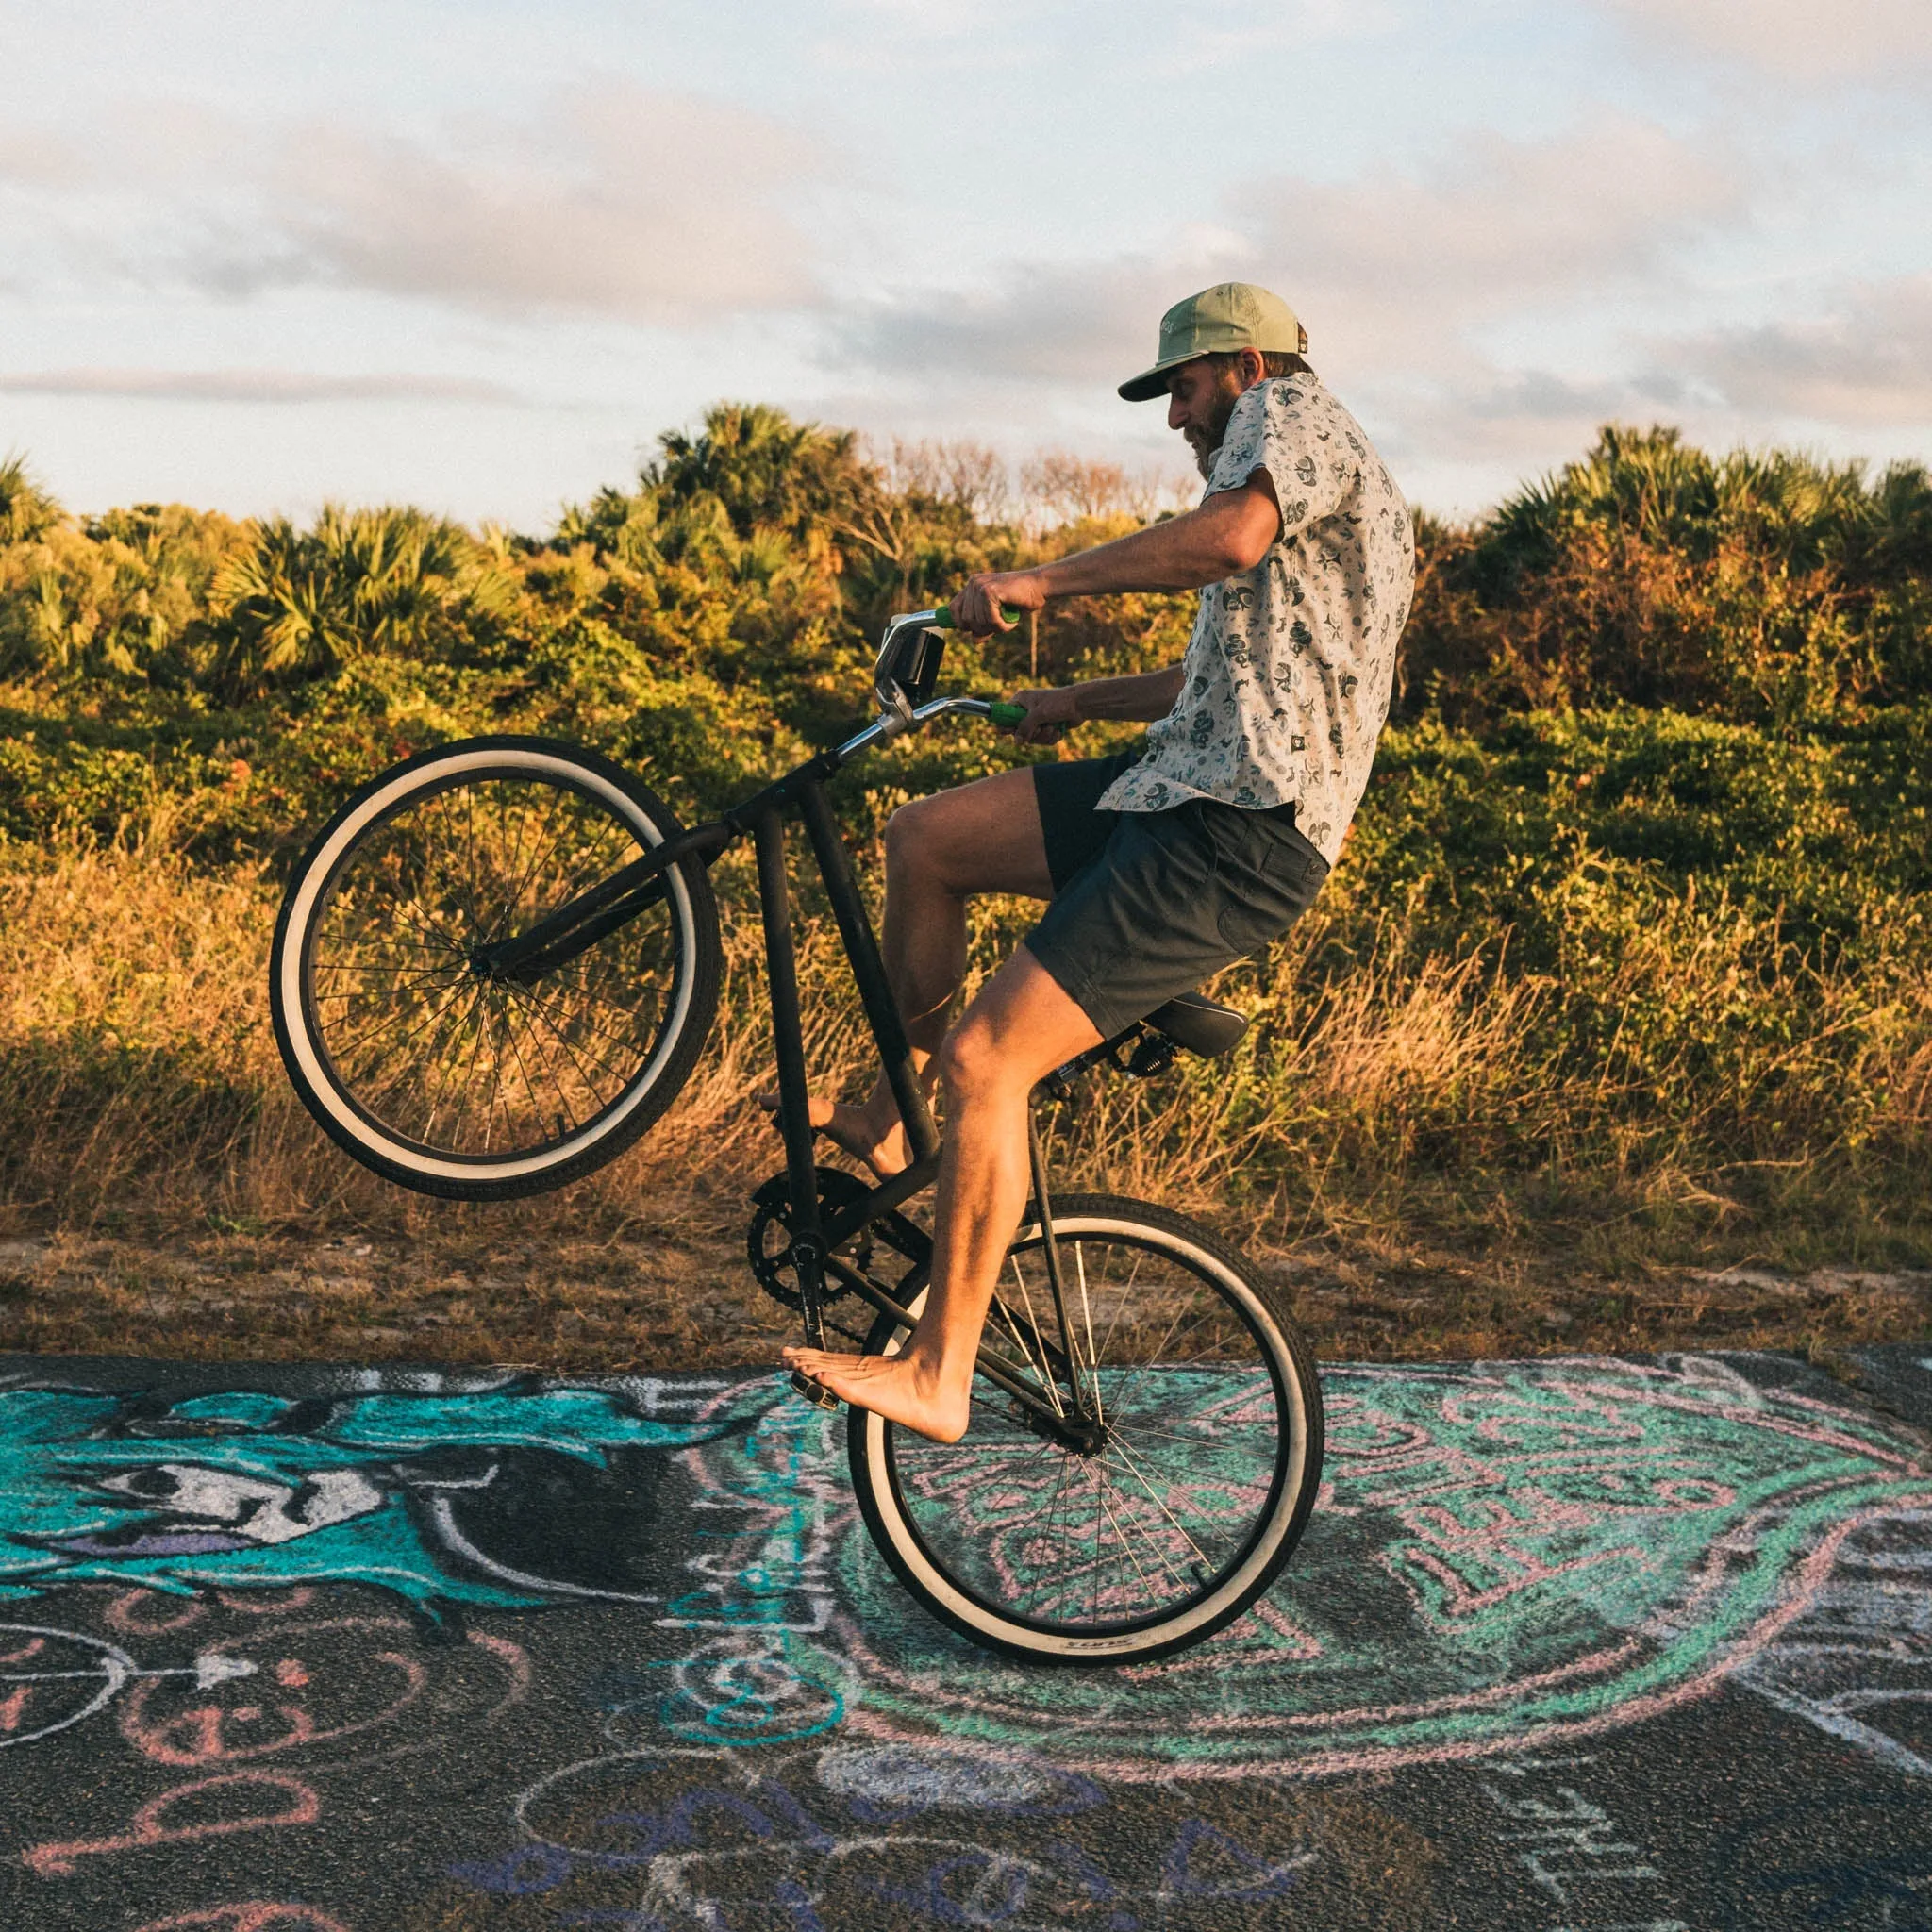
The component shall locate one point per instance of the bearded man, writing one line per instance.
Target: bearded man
(1160, 866)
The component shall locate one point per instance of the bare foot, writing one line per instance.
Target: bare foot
(881, 1146)
(893, 1386)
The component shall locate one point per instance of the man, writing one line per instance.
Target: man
(1161, 869)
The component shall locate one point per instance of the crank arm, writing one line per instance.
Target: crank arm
(878, 1207)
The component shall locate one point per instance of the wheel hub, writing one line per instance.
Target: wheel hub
(1084, 1439)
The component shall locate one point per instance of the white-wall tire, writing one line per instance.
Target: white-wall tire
(685, 937)
(914, 1496)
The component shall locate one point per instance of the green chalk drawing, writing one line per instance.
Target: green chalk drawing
(1504, 1555)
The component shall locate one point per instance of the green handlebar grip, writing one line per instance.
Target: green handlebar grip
(942, 617)
(1007, 714)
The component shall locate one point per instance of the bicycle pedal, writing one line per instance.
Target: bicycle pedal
(814, 1393)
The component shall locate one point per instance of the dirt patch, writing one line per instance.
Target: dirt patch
(679, 1295)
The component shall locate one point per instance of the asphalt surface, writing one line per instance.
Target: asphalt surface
(1604, 1644)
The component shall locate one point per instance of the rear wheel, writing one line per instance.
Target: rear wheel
(418, 1059)
(1192, 1500)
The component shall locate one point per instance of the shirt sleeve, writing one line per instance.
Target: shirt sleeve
(1276, 428)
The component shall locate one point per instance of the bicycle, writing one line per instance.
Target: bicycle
(497, 966)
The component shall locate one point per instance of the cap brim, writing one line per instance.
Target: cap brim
(1153, 382)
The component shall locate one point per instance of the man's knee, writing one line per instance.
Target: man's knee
(984, 837)
(912, 834)
(972, 1061)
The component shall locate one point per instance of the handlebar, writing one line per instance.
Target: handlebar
(891, 725)
(904, 676)
(1005, 715)
(942, 619)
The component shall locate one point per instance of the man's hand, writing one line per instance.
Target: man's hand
(1050, 715)
(976, 609)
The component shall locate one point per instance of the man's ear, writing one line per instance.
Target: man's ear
(1252, 366)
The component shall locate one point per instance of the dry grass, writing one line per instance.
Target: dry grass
(1403, 1138)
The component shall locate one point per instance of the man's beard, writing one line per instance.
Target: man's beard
(1206, 444)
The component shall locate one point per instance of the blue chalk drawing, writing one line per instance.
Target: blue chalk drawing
(241, 1489)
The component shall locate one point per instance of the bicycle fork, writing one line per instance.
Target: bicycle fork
(1082, 1424)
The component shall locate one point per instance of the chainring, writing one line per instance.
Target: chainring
(768, 1244)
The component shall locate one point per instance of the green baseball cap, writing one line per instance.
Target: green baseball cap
(1231, 315)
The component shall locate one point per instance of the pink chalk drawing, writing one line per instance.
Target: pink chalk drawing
(1510, 1556)
(256, 1915)
(276, 1800)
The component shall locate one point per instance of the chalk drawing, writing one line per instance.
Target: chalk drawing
(240, 1801)
(1505, 1557)
(256, 1915)
(329, 1688)
(637, 1842)
(761, 1586)
(1559, 1547)
(1567, 1842)
(51, 1679)
(1857, 1663)
(243, 1488)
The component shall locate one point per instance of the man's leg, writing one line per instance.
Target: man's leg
(1020, 1029)
(984, 837)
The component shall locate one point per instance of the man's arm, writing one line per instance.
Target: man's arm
(1052, 713)
(1228, 534)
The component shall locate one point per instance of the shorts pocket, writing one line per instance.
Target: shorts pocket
(1265, 879)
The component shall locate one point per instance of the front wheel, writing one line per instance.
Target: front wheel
(1187, 1508)
(420, 1058)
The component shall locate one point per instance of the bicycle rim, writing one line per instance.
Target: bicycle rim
(421, 1064)
(1182, 1517)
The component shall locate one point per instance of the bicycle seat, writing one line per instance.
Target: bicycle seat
(1202, 1026)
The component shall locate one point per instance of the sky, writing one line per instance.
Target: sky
(260, 257)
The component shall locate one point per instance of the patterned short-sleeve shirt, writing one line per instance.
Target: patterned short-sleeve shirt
(1289, 669)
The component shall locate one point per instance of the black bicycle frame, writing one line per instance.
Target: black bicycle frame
(593, 914)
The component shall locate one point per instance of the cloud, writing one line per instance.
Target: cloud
(1800, 39)
(1484, 310)
(1389, 271)
(624, 202)
(34, 157)
(614, 200)
(1037, 322)
(1405, 263)
(1867, 363)
(252, 386)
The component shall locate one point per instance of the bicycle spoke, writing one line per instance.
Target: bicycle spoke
(424, 1043)
(1038, 1366)
(571, 1052)
(369, 1033)
(1144, 1520)
(537, 1000)
(1128, 1547)
(1134, 1470)
(1087, 1317)
(405, 990)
